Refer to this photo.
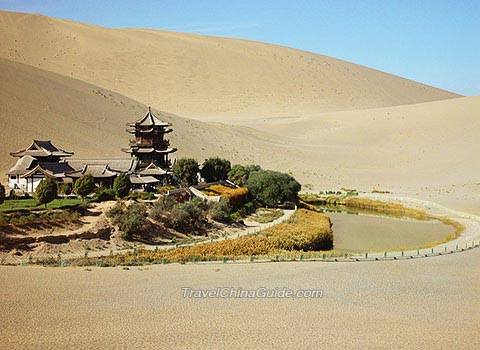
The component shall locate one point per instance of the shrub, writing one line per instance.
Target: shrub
(236, 196)
(104, 195)
(239, 174)
(65, 188)
(247, 209)
(146, 196)
(194, 211)
(188, 215)
(306, 232)
(12, 195)
(273, 188)
(2, 193)
(46, 191)
(220, 211)
(116, 211)
(186, 169)
(133, 220)
(122, 185)
(84, 185)
(215, 169)
(165, 203)
(178, 218)
(130, 220)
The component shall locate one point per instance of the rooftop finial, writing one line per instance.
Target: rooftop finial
(149, 110)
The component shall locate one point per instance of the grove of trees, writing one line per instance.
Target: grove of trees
(186, 169)
(215, 169)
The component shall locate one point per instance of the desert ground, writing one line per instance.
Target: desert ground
(427, 303)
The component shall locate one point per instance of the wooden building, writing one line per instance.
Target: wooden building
(148, 166)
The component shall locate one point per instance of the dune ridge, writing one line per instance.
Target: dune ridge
(203, 77)
(429, 149)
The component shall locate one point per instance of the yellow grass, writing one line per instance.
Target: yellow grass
(225, 191)
(305, 231)
(393, 209)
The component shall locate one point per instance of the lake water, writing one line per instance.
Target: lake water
(363, 232)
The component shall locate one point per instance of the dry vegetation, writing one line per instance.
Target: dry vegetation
(384, 208)
(264, 215)
(306, 231)
(391, 209)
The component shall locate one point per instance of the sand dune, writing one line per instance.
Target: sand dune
(430, 148)
(201, 77)
(274, 106)
(91, 121)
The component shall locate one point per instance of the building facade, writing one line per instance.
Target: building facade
(148, 166)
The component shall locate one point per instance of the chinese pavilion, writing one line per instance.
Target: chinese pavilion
(149, 145)
(148, 166)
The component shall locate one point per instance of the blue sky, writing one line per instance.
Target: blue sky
(434, 42)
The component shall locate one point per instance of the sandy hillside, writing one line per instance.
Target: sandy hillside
(76, 116)
(203, 77)
(430, 149)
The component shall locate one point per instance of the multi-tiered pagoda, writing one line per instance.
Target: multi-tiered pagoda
(150, 148)
(148, 166)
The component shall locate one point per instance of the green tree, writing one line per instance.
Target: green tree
(186, 169)
(215, 169)
(65, 189)
(46, 191)
(84, 186)
(273, 188)
(2, 193)
(122, 185)
(241, 173)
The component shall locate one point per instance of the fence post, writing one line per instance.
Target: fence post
(366, 255)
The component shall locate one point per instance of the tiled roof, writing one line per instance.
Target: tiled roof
(40, 149)
(149, 120)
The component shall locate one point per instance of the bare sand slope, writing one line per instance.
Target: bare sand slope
(91, 121)
(423, 303)
(207, 78)
(430, 148)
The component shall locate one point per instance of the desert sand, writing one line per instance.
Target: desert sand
(423, 303)
(203, 77)
(428, 149)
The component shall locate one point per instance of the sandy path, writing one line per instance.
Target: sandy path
(422, 303)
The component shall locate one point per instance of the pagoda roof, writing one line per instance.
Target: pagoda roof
(143, 180)
(22, 166)
(147, 131)
(149, 120)
(39, 149)
(119, 165)
(148, 150)
(152, 169)
(97, 171)
(54, 169)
